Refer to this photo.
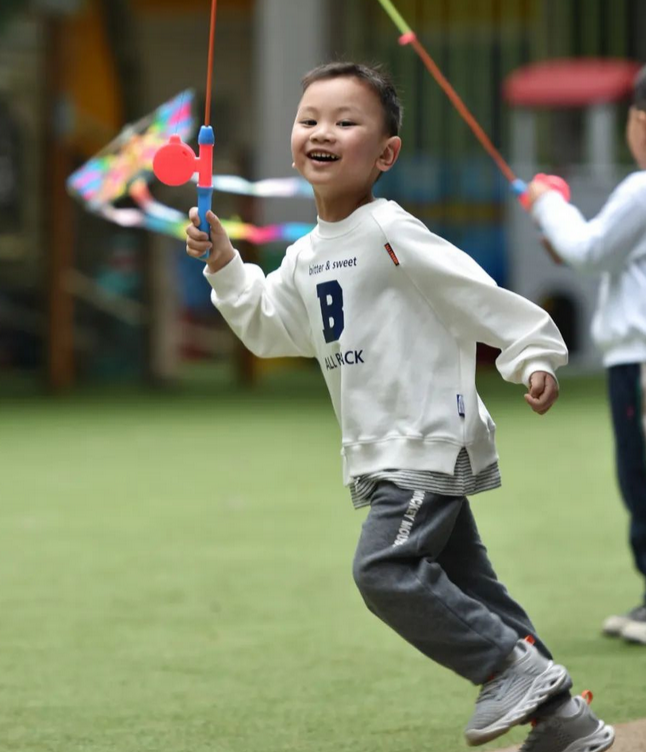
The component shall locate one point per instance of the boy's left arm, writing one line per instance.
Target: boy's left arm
(473, 308)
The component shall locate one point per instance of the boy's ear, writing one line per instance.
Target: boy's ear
(390, 152)
(641, 124)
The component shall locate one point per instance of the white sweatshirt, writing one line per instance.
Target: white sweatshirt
(613, 245)
(392, 313)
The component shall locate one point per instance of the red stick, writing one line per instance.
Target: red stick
(459, 105)
(209, 73)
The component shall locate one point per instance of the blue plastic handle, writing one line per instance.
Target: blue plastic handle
(519, 187)
(206, 139)
(204, 200)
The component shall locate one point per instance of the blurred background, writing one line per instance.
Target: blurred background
(83, 300)
(175, 540)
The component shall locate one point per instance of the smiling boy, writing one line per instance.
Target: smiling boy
(393, 313)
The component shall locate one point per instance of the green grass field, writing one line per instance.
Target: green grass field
(176, 574)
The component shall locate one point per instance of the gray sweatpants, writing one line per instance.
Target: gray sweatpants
(422, 569)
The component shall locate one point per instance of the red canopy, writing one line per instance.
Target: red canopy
(576, 82)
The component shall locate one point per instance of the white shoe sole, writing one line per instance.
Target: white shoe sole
(603, 738)
(542, 688)
(634, 631)
(613, 625)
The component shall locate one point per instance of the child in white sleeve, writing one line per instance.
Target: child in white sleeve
(612, 245)
(393, 313)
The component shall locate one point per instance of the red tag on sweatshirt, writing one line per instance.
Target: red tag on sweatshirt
(391, 253)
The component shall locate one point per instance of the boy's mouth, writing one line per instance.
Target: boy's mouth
(322, 156)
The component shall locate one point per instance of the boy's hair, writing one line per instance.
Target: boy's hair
(372, 75)
(639, 90)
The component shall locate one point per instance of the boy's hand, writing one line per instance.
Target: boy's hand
(218, 245)
(543, 392)
(535, 190)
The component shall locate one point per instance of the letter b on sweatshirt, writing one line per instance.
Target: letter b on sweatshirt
(330, 297)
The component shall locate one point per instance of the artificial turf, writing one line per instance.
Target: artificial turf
(176, 574)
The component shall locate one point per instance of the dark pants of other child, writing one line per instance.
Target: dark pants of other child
(627, 392)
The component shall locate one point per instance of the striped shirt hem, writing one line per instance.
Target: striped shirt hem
(462, 483)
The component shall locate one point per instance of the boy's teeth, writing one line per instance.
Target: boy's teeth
(324, 156)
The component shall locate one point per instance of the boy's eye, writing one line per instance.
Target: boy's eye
(346, 123)
(308, 121)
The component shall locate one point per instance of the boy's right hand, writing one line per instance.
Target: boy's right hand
(218, 245)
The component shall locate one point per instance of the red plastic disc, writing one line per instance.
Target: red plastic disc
(174, 163)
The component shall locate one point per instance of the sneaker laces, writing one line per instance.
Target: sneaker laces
(491, 687)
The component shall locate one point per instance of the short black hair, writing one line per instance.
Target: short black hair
(639, 90)
(372, 75)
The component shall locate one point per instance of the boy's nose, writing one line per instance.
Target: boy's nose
(322, 133)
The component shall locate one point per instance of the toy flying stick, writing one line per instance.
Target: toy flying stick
(518, 186)
(175, 163)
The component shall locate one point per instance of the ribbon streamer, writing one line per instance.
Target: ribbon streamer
(169, 221)
(268, 188)
(157, 217)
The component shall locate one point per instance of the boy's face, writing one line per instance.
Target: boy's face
(339, 139)
(636, 135)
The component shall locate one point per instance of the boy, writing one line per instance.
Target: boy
(393, 313)
(613, 245)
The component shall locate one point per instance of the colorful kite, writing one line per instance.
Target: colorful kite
(124, 169)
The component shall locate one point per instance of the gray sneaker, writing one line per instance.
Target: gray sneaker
(635, 631)
(581, 732)
(614, 626)
(510, 697)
